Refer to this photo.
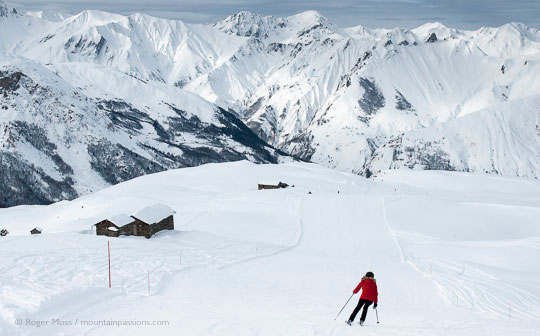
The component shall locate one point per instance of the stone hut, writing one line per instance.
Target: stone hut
(272, 186)
(146, 223)
(36, 230)
(111, 227)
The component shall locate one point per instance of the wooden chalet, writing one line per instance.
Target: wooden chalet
(145, 223)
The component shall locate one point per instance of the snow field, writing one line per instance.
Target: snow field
(449, 251)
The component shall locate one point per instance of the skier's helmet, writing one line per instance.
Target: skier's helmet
(370, 275)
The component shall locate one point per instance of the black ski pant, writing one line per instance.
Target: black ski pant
(362, 302)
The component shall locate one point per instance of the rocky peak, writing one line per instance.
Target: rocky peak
(249, 24)
(5, 11)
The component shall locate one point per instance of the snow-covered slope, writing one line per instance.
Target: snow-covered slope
(356, 99)
(453, 254)
(70, 129)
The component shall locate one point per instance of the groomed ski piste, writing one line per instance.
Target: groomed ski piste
(453, 254)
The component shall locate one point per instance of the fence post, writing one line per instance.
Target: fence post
(109, 252)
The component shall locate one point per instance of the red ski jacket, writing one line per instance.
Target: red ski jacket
(369, 289)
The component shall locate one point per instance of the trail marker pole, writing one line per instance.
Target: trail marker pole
(148, 282)
(109, 252)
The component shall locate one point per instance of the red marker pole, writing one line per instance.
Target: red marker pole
(109, 250)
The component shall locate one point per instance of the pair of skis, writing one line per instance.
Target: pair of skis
(351, 323)
(376, 311)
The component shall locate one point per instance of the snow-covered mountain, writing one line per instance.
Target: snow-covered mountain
(70, 128)
(355, 99)
(362, 100)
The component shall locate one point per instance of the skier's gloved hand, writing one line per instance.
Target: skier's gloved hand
(375, 306)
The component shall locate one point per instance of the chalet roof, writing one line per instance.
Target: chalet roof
(154, 213)
(121, 219)
(37, 228)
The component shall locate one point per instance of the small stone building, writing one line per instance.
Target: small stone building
(272, 186)
(111, 227)
(145, 223)
(36, 230)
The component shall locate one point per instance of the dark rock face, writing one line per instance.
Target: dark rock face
(5, 11)
(123, 115)
(301, 146)
(373, 99)
(432, 38)
(83, 46)
(426, 154)
(24, 183)
(402, 103)
(21, 182)
(249, 25)
(115, 163)
(361, 61)
(254, 108)
(9, 81)
(36, 137)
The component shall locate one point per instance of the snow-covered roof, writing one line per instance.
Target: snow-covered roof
(112, 228)
(154, 213)
(38, 228)
(121, 219)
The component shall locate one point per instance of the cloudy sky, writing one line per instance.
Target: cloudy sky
(467, 14)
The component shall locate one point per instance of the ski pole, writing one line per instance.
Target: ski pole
(344, 306)
(377, 313)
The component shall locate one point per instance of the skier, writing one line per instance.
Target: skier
(369, 296)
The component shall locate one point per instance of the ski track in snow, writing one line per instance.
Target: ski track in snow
(464, 284)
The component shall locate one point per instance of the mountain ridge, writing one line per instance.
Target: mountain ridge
(354, 99)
